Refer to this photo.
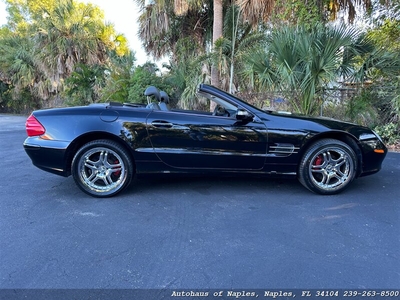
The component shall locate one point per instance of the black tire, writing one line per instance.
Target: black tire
(102, 168)
(328, 167)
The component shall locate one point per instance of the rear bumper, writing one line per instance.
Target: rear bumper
(47, 155)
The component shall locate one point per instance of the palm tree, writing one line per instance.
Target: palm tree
(164, 22)
(301, 62)
(83, 85)
(217, 33)
(74, 34)
(118, 77)
(239, 39)
(44, 41)
(334, 6)
(67, 36)
(21, 72)
(254, 11)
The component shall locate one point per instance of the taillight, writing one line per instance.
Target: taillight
(33, 126)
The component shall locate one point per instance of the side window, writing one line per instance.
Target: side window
(207, 104)
(204, 104)
(216, 106)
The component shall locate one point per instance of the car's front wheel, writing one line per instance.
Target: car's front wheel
(102, 168)
(328, 167)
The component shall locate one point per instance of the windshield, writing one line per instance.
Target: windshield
(219, 101)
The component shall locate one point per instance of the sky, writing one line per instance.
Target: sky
(122, 13)
(3, 13)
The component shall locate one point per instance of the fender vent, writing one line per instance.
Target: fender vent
(283, 150)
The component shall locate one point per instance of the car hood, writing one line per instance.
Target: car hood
(327, 123)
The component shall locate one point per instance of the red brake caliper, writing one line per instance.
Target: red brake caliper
(318, 160)
(117, 173)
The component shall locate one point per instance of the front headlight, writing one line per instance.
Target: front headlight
(379, 137)
(373, 141)
(368, 136)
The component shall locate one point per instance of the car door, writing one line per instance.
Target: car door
(204, 141)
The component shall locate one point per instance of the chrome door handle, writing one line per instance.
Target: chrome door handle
(164, 124)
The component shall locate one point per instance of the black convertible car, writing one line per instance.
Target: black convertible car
(104, 145)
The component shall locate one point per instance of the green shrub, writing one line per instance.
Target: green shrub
(389, 133)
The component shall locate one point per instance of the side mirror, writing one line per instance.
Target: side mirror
(243, 115)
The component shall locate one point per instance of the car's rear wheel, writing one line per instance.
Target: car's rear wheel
(102, 168)
(328, 167)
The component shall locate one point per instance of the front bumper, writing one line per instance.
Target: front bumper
(374, 152)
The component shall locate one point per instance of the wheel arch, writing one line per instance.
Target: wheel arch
(77, 143)
(343, 136)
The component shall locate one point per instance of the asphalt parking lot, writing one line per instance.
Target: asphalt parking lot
(194, 233)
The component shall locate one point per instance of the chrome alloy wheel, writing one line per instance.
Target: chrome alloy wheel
(330, 168)
(102, 170)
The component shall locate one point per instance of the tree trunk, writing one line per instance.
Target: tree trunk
(181, 7)
(217, 33)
